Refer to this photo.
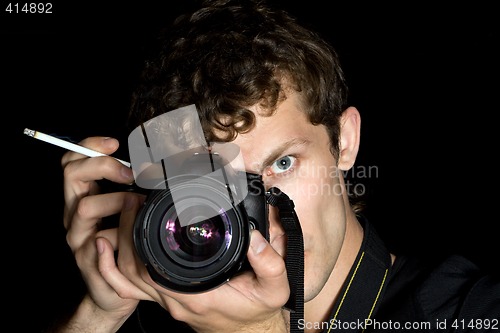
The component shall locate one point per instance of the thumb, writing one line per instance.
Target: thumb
(270, 270)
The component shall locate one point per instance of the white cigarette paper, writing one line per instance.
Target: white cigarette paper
(67, 145)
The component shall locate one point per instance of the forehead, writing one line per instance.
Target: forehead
(272, 135)
(288, 117)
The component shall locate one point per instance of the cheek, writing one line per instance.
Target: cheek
(315, 189)
(318, 200)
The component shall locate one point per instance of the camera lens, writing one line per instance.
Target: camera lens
(195, 242)
(198, 235)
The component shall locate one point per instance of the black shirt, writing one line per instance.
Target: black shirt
(409, 295)
(416, 295)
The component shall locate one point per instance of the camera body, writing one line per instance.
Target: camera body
(194, 233)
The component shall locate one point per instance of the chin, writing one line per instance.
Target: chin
(310, 293)
(314, 280)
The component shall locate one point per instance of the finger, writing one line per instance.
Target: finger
(128, 261)
(129, 210)
(89, 212)
(112, 275)
(80, 177)
(105, 145)
(271, 284)
(79, 173)
(86, 259)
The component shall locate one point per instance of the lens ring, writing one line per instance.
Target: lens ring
(164, 268)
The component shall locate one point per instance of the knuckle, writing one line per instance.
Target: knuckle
(84, 259)
(177, 312)
(278, 269)
(124, 293)
(68, 168)
(84, 208)
(70, 240)
(198, 308)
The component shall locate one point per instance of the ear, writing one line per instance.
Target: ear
(350, 124)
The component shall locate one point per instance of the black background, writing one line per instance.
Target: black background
(425, 80)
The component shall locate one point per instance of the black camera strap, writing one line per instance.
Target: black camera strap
(294, 260)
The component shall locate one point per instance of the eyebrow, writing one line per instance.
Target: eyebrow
(278, 151)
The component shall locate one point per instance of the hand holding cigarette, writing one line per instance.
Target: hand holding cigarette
(67, 145)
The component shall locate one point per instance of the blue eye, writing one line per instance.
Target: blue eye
(283, 164)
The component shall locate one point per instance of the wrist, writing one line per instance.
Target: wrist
(89, 317)
(274, 324)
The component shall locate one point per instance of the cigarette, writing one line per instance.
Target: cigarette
(68, 145)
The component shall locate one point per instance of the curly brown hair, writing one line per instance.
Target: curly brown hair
(229, 55)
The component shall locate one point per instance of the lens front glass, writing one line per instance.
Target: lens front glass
(193, 243)
(196, 232)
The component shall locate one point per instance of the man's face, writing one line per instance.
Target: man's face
(294, 155)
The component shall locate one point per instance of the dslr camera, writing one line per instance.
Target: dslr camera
(194, 233)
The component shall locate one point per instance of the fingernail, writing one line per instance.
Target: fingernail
(127, 173)
(100, 245)
(257, 242)
(109, 142)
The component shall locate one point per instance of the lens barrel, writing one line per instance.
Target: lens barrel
(199, 241)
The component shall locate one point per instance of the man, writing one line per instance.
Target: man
(276, 90)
